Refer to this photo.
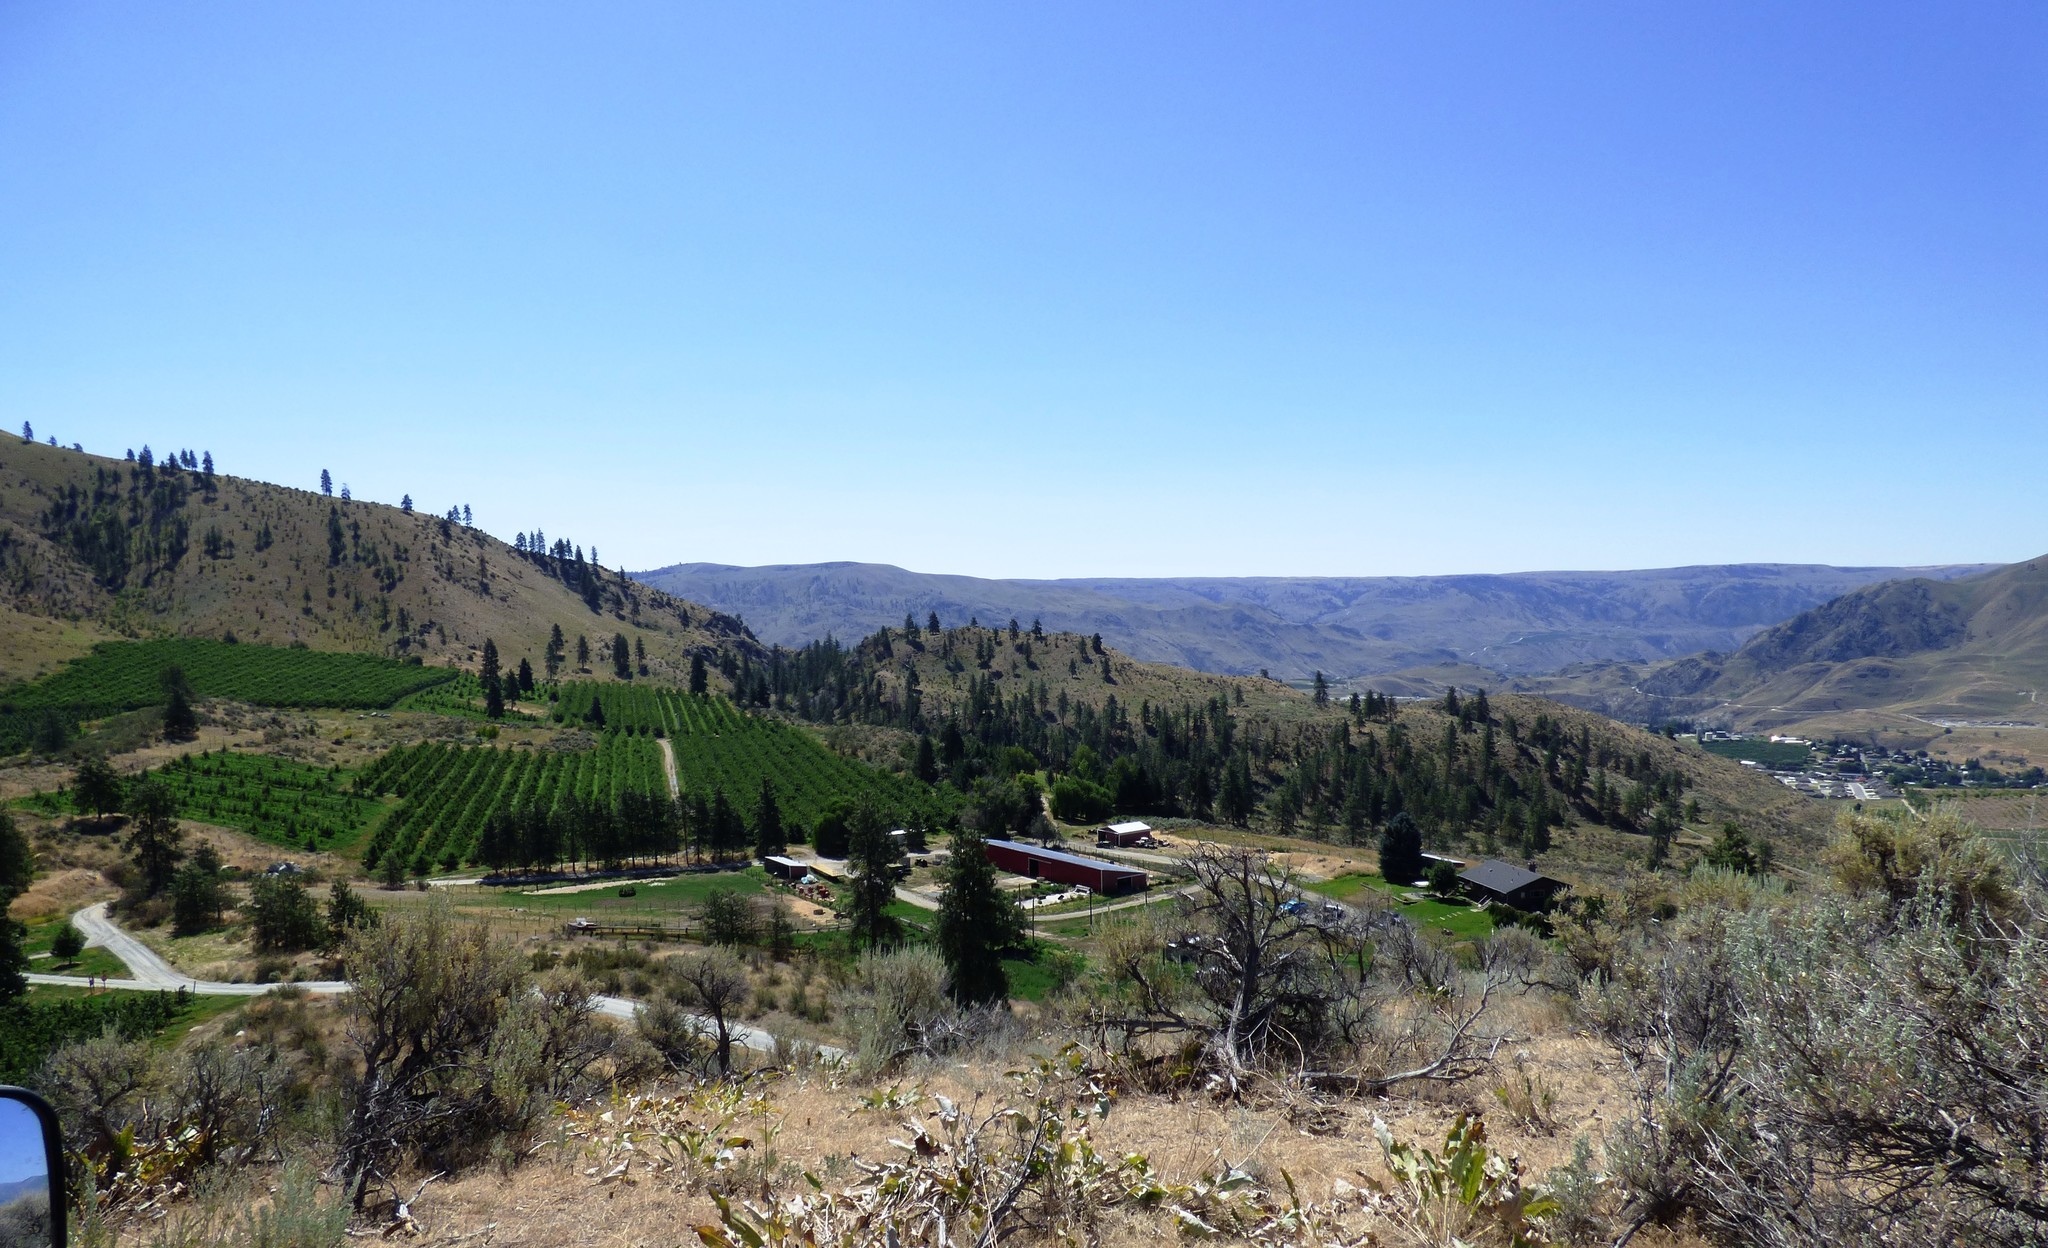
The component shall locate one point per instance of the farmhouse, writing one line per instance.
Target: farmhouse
(1123, 834)
(1050, 864)
(1494, 880)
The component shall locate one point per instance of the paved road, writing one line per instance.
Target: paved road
(150, 973)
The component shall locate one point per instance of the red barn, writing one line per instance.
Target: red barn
(1107, 878)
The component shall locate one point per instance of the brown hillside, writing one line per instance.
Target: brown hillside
(93, 548)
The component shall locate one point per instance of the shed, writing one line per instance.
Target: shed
(785, 868)
(1494, 880)
(1108, 878)
(1132, 832)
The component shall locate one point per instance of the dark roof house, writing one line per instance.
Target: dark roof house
(1494, 880)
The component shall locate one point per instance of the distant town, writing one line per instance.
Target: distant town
(1851, 770)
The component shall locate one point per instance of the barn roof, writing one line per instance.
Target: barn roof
(1054, 855)
(1504, 878)
(1132, 826)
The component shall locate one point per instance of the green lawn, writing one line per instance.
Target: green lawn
(1452, 918)
(662, 902)
(90, 962)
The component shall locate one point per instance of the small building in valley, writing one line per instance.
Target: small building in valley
(1108, 878)
(1125, 834)
(1504, 882)
(785, 868)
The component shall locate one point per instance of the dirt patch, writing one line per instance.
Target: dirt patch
(61, 892)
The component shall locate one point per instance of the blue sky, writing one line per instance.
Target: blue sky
(1060, 289)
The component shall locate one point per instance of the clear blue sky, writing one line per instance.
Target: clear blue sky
(1060, 289)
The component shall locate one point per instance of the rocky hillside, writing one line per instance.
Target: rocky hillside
(1976, 648)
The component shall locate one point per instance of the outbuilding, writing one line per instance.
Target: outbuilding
(1125, 834)
(1107, 878)
(785, 868)
(1504, 882)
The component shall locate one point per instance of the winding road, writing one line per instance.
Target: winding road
(148, 972)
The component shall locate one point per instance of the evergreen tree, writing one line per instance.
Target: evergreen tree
(1322, 690)
(197, 896)
(769, 837)
(345, 913)
(154, 837)
(640, 655)
(494, 692)
(181, 722)
(872, 854)
(926, 767)
(582, 653)
(405, 504)
(283, 917)
(525, 676)
(552, 657)
(326, 482)
(931, 622)
(1401, 851)
(978, 922)
(622, 657)
(727, 831)
(699, 679)
(95, 786)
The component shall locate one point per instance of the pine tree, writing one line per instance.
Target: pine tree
(873, 855)
(582, 653)
(769, 837)
(622, 657)
(1401, 851)
(405, 504)
(931, 623)
(552, 657)
(154, 837)
(978, 922)
(700, 680)
(525, 676)
(326, 482)
(1322, 690)
(494, 691)
(181, 722)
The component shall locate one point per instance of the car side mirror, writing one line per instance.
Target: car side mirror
(32, 1203)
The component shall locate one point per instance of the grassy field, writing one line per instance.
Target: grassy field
(1457, 919)
(1757, 750)
(670, 902)
(90, 962)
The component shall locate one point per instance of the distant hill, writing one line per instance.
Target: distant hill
(1346, 627)
(94, 548)
(1974, 647)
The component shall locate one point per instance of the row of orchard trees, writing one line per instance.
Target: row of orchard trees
(633, 829)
